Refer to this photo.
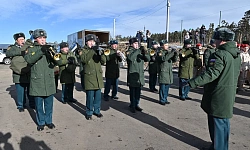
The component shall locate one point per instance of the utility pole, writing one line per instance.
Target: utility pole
(114, 30)
(167, 22)
(220, 19)
(181, 31)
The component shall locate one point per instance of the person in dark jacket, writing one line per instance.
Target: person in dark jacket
(21, 71)
(92, 57)
(187, 56)
(153, 67)
(135, 59)
(42, 82)
(220, 80)
(112, 70)
(67, 66)
(165, 59)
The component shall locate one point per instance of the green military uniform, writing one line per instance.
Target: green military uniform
(112, 72)
(21, 74)
(81, 66)
(67, 74)
(220, 79)
(93, 78)
(42, 82)
(135, 61)
(186, 68)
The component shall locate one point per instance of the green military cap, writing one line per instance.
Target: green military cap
(113, 42)
(187, 41)
(246, 42)
(162, 42)
(63, 44)
(18, 35)
(223, 34)
(38, 33)
(89, 37)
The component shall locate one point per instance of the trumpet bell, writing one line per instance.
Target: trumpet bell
(106, 52)
(152, 52)
(57, 56)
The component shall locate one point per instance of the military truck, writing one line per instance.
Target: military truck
(79, 37)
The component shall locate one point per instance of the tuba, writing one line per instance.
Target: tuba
(152, 52)
(123, 57)
(106, 52)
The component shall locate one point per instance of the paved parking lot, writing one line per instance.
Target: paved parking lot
(180, 125)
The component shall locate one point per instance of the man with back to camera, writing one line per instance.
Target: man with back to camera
(220, 80)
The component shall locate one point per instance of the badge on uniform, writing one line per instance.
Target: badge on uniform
(33, 53)
(211, 62)
(9, 48)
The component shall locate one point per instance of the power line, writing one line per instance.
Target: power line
(144, 12)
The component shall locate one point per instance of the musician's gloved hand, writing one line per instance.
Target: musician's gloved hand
(118, 53)
(98, 50)
(195, 51)
(45, 48)
(71, 60)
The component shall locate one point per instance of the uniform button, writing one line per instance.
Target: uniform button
(36, 63)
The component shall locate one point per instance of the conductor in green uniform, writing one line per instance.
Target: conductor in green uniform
(220, 80)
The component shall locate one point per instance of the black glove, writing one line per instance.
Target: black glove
(153, 58)
(173, 50)
(45, 48)
(71, 60)
(23, 53)
(98, 50)
(195, 51)
(143, 50)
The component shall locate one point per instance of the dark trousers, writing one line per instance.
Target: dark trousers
(21, 95)
(82, 81)
(163, 92)
(44, 109)
(152, 81)
(219, 129)
(183, 90)
(109, 82)
(93, 101)
(67, 92)
(56, 80)
(134, 95)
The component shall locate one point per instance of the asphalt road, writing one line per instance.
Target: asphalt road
(180, 125)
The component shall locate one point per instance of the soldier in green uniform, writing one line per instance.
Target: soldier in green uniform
(112, 70)
(165, 59)
(92, 57)
(67, 66)
(81, 65)
(21, 71)
(153, 67)
(220, 80)
(211, 48)
(186, 66)
(42, 82)
(135, 60)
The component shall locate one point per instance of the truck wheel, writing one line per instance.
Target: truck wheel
(7, 61)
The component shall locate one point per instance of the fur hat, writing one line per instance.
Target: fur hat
(39, 32)
(18, 35)
(90, 37)
(63, 44)
(133, 40)
(163, 42)
(223, 34)
(113, 42)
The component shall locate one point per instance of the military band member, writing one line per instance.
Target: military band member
(211, 48)
(112, 70)
(42, 82)
(186, 66)
(165, 58)
(21, 71)
(67, 67)
(153, 67)
(92, 57)
(135, 59)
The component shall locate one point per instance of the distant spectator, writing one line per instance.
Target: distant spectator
(149, 40)
(186, 36)
(202, 35)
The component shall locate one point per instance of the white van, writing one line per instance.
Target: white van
(4, 59)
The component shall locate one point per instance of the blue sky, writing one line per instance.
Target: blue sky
(63, 17)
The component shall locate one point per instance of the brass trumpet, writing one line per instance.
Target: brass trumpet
(106, 52)
(53, 54)
(152, 52)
